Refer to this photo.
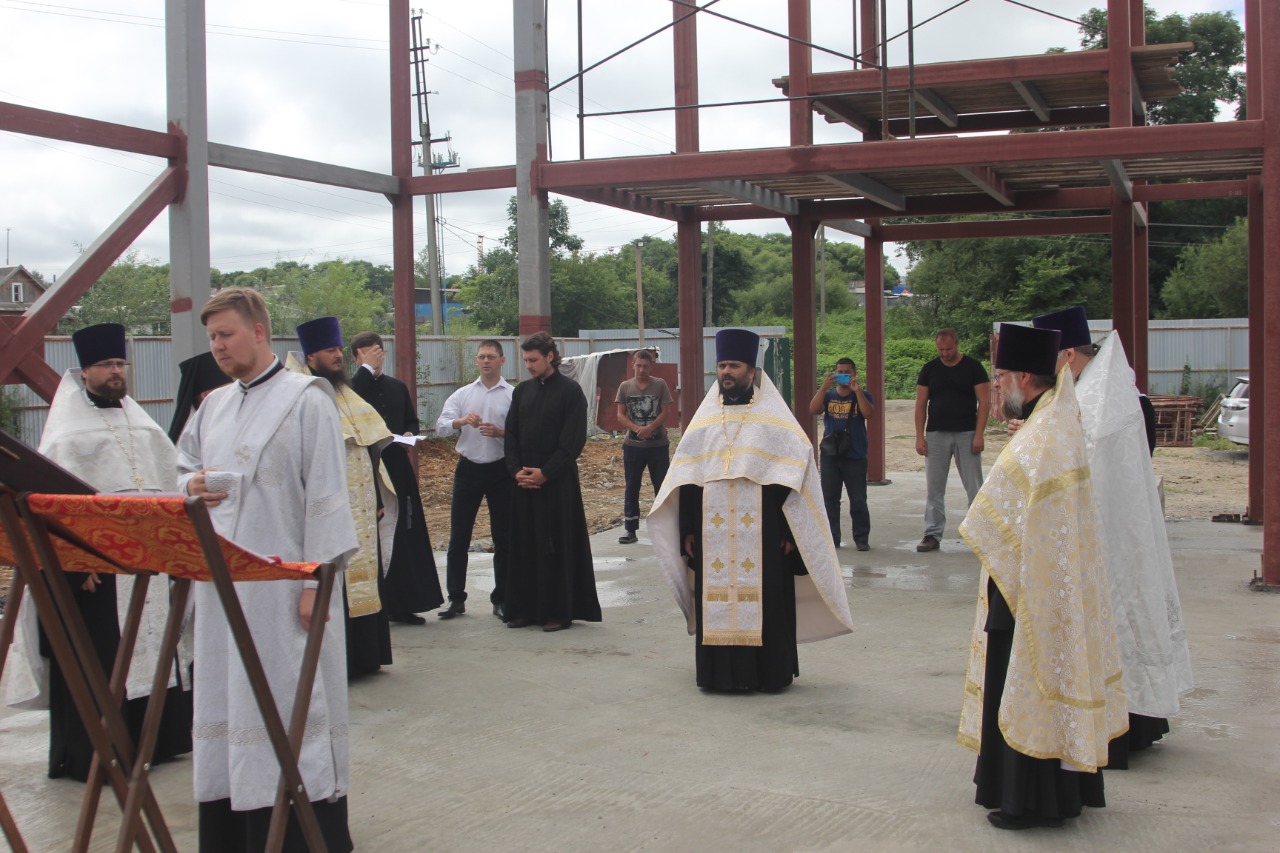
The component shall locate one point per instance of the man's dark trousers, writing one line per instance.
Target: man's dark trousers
(634, 461)
(849, 475)
(472, 483)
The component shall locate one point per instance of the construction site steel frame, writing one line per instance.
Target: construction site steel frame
(1107, 173)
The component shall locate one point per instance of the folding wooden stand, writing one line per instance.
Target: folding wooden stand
(45, 535)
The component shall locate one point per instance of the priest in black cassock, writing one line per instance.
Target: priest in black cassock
(410, 585)
(740, 533)
(199, 376)
(550, 581)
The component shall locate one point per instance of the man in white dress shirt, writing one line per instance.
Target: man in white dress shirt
(479, 413)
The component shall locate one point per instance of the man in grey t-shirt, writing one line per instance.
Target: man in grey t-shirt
(644, 405)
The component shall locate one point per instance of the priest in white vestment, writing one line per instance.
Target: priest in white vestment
(1144, 595)
(1043, 694)
(741, 532)
(266, 454)
(99, 433)
(364, 435)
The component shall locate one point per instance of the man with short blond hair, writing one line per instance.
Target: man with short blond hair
(265, 453)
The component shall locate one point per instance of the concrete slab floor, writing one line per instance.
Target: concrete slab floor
(484, 738)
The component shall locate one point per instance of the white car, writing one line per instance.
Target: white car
(1233, 419)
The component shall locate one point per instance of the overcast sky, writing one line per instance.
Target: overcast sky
(309, 78)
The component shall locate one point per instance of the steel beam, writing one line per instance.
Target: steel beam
(970, 72)
(689, 294)
(870, 189)
(1269, 45)
(836, 112)
(1119, 178)
(86, 131)
(860, 157)
(62, 295)
(989, 181)
(473, 180)
(936, 104)
(799, 68)
(623, 200)
(754, 194)
(188, 113)
(1122, 307)
(296, 168)
(804, 319)
(982, 228)
(1258, 367)
(851, 226)
(873, 370)
(1032, 98)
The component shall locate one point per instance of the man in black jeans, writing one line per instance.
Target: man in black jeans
(845, 407)
(479, 413)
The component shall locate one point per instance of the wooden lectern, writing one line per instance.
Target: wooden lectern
(43, 534)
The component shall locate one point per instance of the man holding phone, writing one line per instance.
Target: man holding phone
(844, 407)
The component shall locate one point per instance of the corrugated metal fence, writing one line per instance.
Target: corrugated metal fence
(1215, 350)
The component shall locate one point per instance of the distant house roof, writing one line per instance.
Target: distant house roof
(32, 289)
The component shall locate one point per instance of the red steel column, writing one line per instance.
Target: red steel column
(1120, 102)
(403, 303)
(799, 67)
(688, 231)
(1139, 357)
(804, 318)
(1122, 297)
(1257, 355)
(1269, 49)
(1256, 107)
(872, 372)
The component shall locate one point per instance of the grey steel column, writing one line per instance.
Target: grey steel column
(188, 111)
(532, 227)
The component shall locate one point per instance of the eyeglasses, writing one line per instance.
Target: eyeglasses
(998, 375)
(112, 364)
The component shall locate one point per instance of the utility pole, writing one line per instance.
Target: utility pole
(640, 290)
(6, 246)
(430, 164)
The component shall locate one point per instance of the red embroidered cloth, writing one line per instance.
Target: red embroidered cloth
(153, 534)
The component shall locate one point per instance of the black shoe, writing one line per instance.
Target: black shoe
(497, 611)
(629, 539)
(407, 618)
(863, 546)
(1000, 820)
(455, 608)
(928, 543)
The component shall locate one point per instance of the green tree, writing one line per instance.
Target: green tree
(296, 293)
(134, 291)
(1207, 72)
(1212, 278)
(968, 284)
(558, 226)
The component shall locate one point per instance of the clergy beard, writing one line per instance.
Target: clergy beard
(1014, 400)
(732, 390)
(112, 389)
(337, 378)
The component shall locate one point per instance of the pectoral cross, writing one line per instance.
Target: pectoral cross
(728, 459)
(137, 481)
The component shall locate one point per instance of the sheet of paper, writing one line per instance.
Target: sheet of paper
(410, 440)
